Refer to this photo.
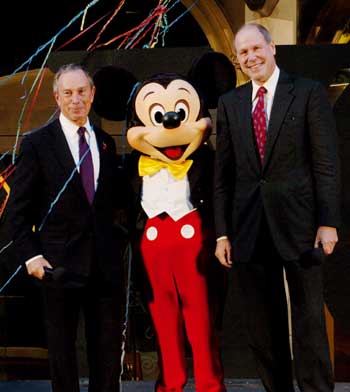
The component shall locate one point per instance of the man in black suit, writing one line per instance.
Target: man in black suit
(276, 209)
(59, 225)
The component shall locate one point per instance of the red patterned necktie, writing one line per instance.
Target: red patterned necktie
(260, 122)
(86, 167)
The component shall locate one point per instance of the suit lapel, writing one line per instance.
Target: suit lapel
(245, 110)
(59, 146)
(281, 102)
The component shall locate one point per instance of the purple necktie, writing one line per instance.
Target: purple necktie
(259, 121)
(86, 167)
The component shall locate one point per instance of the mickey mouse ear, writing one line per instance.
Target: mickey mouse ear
(113, 87)
(213, 74)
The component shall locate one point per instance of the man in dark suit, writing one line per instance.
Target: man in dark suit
(63, 216)
(276, 210)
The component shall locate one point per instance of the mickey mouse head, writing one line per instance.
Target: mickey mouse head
(168, 120)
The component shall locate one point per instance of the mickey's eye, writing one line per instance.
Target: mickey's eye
(183, 110)
(156, 114)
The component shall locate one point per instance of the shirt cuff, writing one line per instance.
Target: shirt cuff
(32, 259)
(223, 237)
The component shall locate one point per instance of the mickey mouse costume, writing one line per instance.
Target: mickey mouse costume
(168, 126)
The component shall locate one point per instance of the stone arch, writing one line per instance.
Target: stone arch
(214, 24)
(216, 27)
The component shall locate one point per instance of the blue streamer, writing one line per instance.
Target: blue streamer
(42, 47)
(3, 156)
(63, 189)
(9, 280)
(165, 30)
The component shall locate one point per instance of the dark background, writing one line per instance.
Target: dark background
(31, 24)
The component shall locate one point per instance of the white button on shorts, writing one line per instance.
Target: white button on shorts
(187, 231)
(151, 233)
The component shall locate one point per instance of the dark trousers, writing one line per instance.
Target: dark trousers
(102, 320)
(262, 286)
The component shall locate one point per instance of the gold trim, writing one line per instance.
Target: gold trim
(23, 352)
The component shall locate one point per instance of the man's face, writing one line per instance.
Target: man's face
(256, 57)
(74, 96)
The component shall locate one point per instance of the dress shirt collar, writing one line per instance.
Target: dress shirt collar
(71, 130)
(270, 84)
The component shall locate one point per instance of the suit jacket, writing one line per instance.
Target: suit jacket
(53, 219)
(297, 184)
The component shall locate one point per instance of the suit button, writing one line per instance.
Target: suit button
(263, 181)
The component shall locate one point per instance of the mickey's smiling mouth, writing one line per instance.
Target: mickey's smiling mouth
(174, 152)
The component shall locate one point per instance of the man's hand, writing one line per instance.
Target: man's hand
(223, 252)
(326, 237)
(36, 267)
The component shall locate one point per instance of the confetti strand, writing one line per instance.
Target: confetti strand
(141, 29)
(140, 38)
(34, 99)
(3, 205)
(82, 32)
(158, 14)
(127, 33)
(84, 16)
(6, 169)
(91, 46)
(138, 33)
(13, 275)
(4, 177)
(145, 22)
(4, 155)
(167, 28)
(128, 254)
(154, 37)
(59, 194)
(53, 115)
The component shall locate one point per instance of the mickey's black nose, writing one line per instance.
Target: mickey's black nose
(171, 120)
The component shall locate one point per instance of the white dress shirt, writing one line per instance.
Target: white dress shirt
(161, 192)
(70, 131)
(270, 86)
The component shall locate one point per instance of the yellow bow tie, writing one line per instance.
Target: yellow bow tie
(149, 166)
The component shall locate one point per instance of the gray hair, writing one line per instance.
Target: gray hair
(263, 30)
(68, 68)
